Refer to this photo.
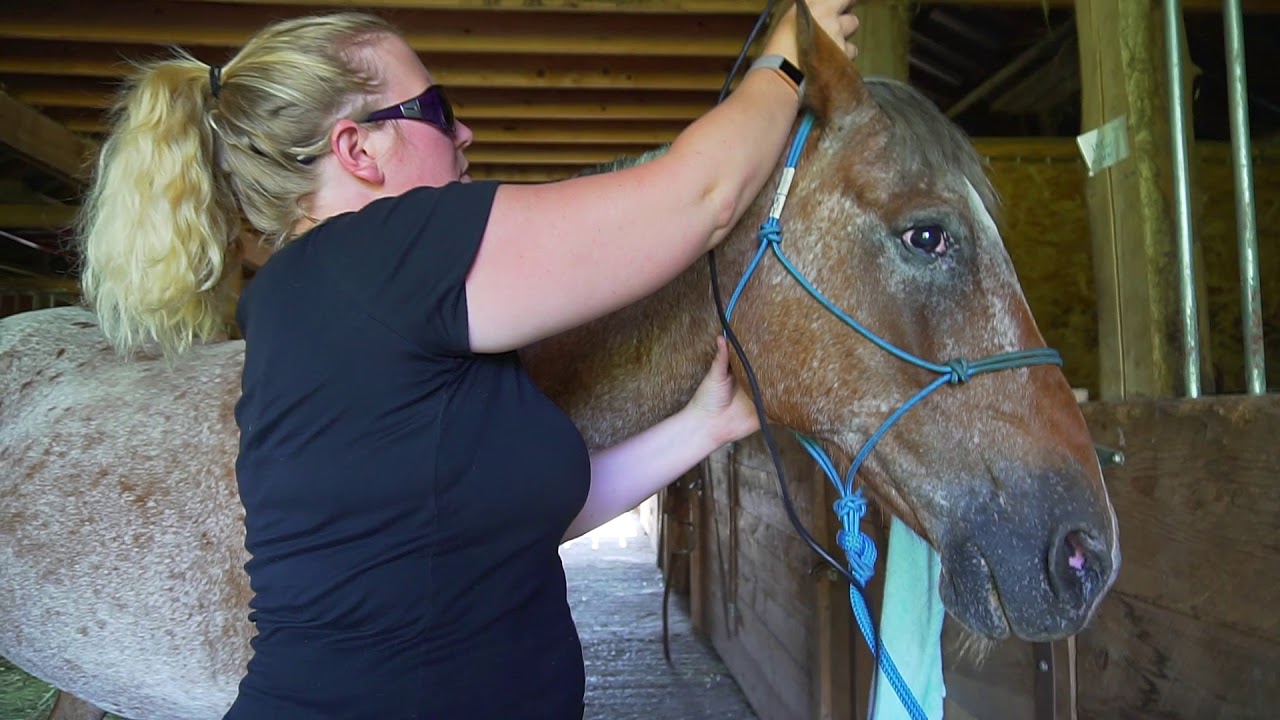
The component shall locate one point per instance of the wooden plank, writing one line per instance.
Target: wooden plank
(884, 38)
(1205, 6)
(699, 6)
(472, 103)
(710, 7)
(699, 561)
(1122, 70)
(1198, 505)
(42, 141)
(26, 60)
(1188, 631)
(43, 285)
(1139, 661)
(998, 685)
(36, 217)
(198, 24)
(774, 687)
(833, 644)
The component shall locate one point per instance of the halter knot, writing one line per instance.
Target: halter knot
(960, 372)
(857, 546)
(851, 509)
(770, 232)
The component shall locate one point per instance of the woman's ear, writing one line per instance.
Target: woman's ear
(349, 142)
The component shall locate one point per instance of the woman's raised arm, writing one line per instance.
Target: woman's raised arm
(558, 255)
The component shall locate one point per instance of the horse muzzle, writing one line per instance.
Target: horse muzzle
(1035, 567)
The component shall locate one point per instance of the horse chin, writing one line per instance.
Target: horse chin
(969, 593)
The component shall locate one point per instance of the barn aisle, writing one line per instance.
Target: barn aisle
(615, 591)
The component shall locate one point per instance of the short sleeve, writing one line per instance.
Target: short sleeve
(405, 260)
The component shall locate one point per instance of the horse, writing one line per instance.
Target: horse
(121, 531)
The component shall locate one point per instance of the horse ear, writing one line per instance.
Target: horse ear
(832, 83)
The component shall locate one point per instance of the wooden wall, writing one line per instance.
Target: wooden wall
(752, 593)
(1190, 631)
(1046, 230)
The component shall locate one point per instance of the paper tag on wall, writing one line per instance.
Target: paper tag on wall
(1105, 145)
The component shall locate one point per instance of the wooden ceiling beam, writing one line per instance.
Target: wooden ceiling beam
(565, 132)
(43, 142)
(36, 217)
(708, 7)
(577, 155)
(1249, 7)
(523, 173)
(476, 72)
(630, 7)
(474, 105)
(197, 25)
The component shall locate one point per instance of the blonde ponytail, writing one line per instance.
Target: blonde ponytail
(157, 221)
(181, 168)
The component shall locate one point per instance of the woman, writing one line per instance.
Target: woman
(405, 485)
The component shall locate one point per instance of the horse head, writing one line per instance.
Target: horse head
(892, 219)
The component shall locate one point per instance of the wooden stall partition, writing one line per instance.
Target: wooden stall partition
(1190, 629)
(755, 593)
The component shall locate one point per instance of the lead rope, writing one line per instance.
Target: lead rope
(851, 508)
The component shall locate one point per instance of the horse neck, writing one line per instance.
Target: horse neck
(624, 372)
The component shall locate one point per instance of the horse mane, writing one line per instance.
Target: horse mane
(925, 139)
(624, 161)
(922, 138)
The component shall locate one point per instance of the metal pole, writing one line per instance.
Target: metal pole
(1255, 367)
(1182, 196)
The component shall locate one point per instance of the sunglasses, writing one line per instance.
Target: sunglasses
(431, 107)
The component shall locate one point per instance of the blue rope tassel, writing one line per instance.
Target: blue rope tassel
(861, 552)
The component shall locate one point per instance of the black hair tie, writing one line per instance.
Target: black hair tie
(215, 80)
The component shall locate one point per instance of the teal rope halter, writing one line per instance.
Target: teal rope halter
(859, 548)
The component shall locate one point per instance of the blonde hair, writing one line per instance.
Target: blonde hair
(181, 166)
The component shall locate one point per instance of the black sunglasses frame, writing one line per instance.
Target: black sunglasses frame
(431, 107)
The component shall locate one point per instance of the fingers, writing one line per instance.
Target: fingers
(722, 355)
(848, 25)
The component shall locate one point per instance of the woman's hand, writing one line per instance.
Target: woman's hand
(726, 410)
(835, 17)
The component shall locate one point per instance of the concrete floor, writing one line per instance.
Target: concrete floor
(615, 591)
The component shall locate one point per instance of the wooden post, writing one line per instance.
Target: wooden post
(834, 646)
(884, 38)
(1122, 70)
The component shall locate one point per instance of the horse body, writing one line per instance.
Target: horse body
(121, 532)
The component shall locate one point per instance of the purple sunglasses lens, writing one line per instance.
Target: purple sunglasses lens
(431, 107)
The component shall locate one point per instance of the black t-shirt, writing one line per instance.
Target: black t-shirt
(404, 497)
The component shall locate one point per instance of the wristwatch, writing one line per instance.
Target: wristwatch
(783, 67)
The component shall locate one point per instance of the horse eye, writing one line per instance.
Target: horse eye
(930, 239)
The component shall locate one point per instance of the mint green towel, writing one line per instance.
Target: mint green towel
(911, 626)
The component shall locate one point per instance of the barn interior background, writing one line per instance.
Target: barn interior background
(553, 86)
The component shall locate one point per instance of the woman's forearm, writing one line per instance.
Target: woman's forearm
(626, 474)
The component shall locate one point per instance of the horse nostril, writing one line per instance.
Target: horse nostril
(1076, 567)
(1075, 546)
